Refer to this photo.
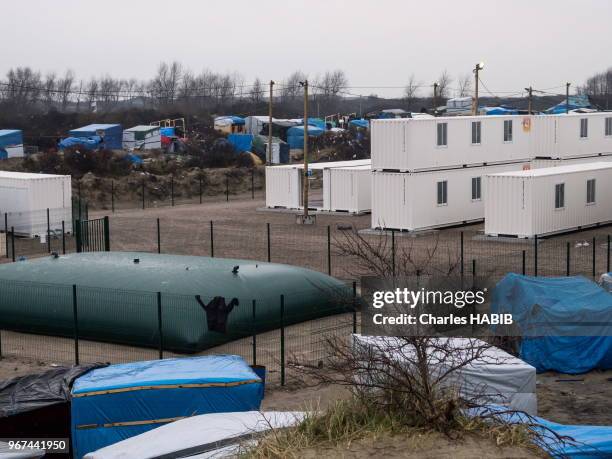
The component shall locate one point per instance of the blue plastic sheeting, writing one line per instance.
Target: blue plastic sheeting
(89, 143)
(134, 159)
(144, 395)
(499, 111)
(575, 102)
(112, 134)
(241, 142)
(588, 441)
(3, 153)
(10, 137)
(552, 314)
(236, 120)
(360, 123)
(298, 131)
(167, 131)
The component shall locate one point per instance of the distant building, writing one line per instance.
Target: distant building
(111, 134)
(11, 143)
(143, 137)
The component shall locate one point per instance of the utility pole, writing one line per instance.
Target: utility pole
(567, 86)
(269, 150)
(530, 91)
(305, 192)
(435, 100)
(477, 68)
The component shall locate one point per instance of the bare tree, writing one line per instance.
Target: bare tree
(256, 92)
(444, 82)
(65, 88)
(291, 88)
(464, 85)
(411, 90)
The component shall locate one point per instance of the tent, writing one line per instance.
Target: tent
(120, 401)
(241, 142)
(295, 135)
(88, 143)
(207, 435)
(496, 377)
(11, 143)
(575, 102)
(499, 111)
(565, 322)
(111, 134)
(357, 123)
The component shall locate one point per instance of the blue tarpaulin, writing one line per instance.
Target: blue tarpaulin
(365, 124)
(167, 131)
(120, 401)
(236, 120)
(295, 135)
(566, 322)
(112, 134)
(499, 111)
(575, 102)
(241, 142)
(10, 137)
(89, 143)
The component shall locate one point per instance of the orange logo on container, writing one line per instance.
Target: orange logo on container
(526, 124)
(526, 167)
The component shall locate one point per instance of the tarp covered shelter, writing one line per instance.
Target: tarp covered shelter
(499, 111)
(120, 401)
(359, 123)
(575, 102)
(295, 135)
(241, 142)
(11, 143)
(565, 322)
(495, 377)
(215, 434)
(142, 137)
(88, 143)
(111, 134)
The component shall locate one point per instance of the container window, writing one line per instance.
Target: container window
(584, 128)
(442, 193)
(476, 129)
(476, 188)
(508, 131)
(590, 191)
(608, 127)
(442, 139)
(559, 195)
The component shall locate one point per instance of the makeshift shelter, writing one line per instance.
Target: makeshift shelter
(142, 137)
(229, 124)
(295, 135)
(214, 434)
(359, 124)
(120, 401)
(11, 143)
(87, 143)
(565, 322)
(494, 377)
(205, 301)
(568, 104)
(111, 134)
(241, 142)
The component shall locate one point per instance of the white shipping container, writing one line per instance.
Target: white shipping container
(549, 200)
(540, 163)
(142, 138)
(25, 198)
(421, 200)
(347, 189)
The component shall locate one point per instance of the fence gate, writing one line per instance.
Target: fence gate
(92, 235)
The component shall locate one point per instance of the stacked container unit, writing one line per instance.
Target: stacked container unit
(546, 201)
(142, 137)
(11, 143)
(25, 198)
(111, 134)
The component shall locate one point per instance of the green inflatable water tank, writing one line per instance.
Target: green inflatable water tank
(204, 301)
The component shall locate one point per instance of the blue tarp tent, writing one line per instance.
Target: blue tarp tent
(566, 322)
(241, 142)
(10, 138)
(499, 111)
(117, 402)
(295, 135)
(364, 124)
(236, 120)
(167, 131)
(112, 134)
(89, 143)
(575, 102)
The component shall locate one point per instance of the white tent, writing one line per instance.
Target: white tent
(205, 436)
(495, 377)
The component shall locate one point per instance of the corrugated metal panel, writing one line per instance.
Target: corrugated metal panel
(283, 187)
(539, 200)
(347, 189)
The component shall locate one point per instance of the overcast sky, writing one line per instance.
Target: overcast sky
(543, 43)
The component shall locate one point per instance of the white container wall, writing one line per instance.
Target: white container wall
(283, 186)
(25, 199)
(410, 201)
(347, 189)
(540, 163)
(142, 138)
(15, 151)
(446, 142)
(547, 201)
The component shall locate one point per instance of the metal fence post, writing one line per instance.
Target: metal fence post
(254, 333)
(608, 256)
(393, 252)
(13, 242)
(226, 187)
(6, 239)
(329, 266)
(594, 250)
(567, 259)
(461, 253)
(268, 242)
(252, 183)
(63, 237)
(76, 324)
(354, 307)
(158, 237)
(159, 326)
(143, 194)
(106, 234)
(48, 232)
(200, 180)
(212, 241)
(113, 196)
(172, 189)
(535, 258)
(77, 236)
(524, 262)
(80, 202)
(282, 339)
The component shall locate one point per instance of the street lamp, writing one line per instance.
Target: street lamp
(477, 68)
